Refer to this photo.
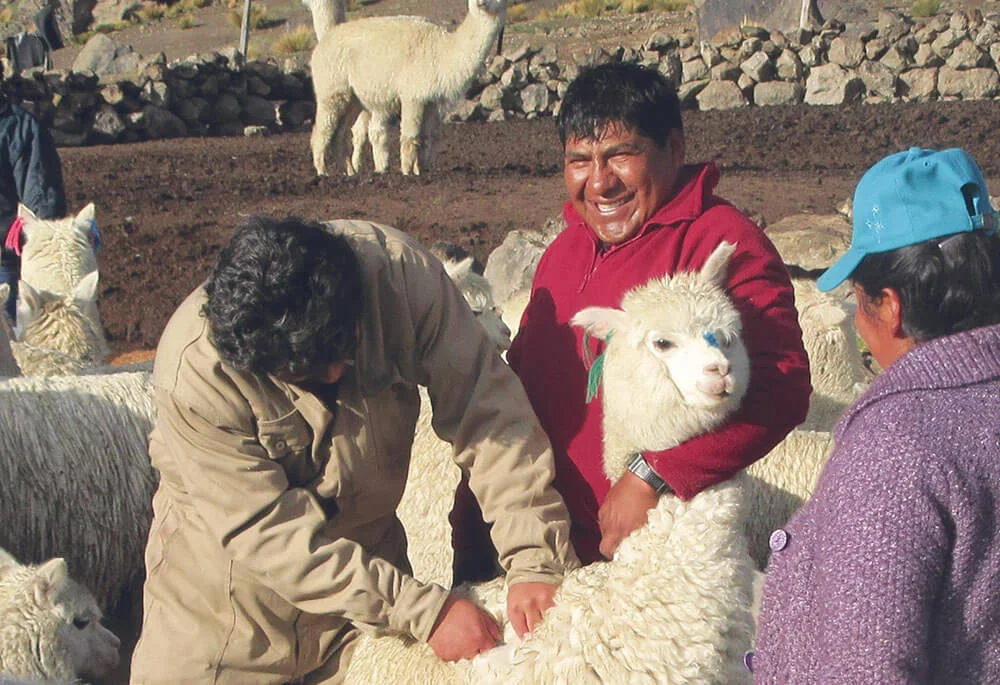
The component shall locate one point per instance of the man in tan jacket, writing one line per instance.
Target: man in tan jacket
(286, 398)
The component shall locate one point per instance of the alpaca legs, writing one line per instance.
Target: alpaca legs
(334, 115)
(430, 134)
(410, 125)
(359, 142)
(378, 133)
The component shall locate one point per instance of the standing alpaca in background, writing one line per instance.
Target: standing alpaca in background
(388, 66)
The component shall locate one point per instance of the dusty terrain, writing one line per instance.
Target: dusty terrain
(164, 208)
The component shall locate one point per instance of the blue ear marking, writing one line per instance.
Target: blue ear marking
(711, 339)
(94, 234)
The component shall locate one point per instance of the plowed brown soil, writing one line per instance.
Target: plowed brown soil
(165, 207)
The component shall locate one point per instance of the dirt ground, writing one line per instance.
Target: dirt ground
(164, 208)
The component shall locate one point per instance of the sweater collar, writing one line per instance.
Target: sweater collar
(695, 185)
(961, 359)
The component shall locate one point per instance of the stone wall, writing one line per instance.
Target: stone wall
(897, 58)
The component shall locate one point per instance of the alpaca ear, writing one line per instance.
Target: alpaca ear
(25, 213)
(601, 321)
(29, 296)
(7, 561)
(86, 215)
(717, 264)
(86, 290)
(456, 270)
(50, 579)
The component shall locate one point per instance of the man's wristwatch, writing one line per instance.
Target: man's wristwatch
(639, 466)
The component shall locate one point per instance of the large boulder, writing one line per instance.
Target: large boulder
(809, 241)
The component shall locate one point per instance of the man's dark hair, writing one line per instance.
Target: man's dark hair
(946, 285)
(616, 94)
(285, 296)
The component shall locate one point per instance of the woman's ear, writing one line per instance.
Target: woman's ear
(891, 311)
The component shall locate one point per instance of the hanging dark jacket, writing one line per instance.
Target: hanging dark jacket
(30, 171)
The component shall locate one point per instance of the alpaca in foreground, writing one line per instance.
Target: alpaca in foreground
(50, 626)
(387, 66)
(674, 605)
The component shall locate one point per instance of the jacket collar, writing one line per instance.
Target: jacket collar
(961, 359)
(695, 185)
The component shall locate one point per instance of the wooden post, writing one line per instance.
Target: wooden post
(241, 54)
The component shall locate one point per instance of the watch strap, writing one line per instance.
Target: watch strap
(640, 467)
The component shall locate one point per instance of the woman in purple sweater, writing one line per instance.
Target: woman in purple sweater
(890, 573)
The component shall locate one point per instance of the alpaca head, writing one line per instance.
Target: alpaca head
(675, 364)
(69, 323)
(51, 624)
(57, 253)
(477, 292)
(494, 10)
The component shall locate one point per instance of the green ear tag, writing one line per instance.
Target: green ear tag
(596, 371)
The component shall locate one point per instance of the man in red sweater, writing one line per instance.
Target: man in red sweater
(636, 211)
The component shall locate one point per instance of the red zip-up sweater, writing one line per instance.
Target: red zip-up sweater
(575, 273)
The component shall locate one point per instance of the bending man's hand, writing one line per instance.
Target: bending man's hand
(625, 509)
(526, 602)
(463, 630)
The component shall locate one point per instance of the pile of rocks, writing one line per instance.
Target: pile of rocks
(947, 57)
(117, 95)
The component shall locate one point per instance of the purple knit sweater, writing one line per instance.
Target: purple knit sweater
(891, 572)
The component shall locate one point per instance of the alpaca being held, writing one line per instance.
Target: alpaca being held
(388, 66)
(674, 604)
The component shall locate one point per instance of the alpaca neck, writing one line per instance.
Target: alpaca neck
(466, 49)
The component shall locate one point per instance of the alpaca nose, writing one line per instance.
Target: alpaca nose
(720, 368)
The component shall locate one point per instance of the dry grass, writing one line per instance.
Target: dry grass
(150, 11)
(586, 9)
(187, 21)
(258, 17)
(517, 13)
(925, 8)
(299, 39)
(6, 15)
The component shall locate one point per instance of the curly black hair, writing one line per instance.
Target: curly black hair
(284, 296)
(615, 94)
(946, 285)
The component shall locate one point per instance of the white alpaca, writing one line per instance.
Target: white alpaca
(58, 321)
(388, 66)
(75, 477)
(674, 605)
(50, 626)
(57, 334)
(57, 253)
(784, 479)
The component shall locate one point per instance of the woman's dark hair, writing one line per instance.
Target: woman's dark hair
(285, 296)
(946, 285)
(616, 94)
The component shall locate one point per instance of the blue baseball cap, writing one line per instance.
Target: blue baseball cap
(910, 197)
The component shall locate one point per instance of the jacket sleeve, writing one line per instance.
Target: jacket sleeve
(277, 530)
(778, 397)
(480, 407)
(37, 170)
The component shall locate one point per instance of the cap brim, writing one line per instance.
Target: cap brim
(841, 270)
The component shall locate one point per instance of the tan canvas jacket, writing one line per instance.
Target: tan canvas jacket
(274, 529)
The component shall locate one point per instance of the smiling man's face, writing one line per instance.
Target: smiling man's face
(618, 181)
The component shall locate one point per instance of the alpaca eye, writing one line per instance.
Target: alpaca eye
(80, 623)
(662, 344)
